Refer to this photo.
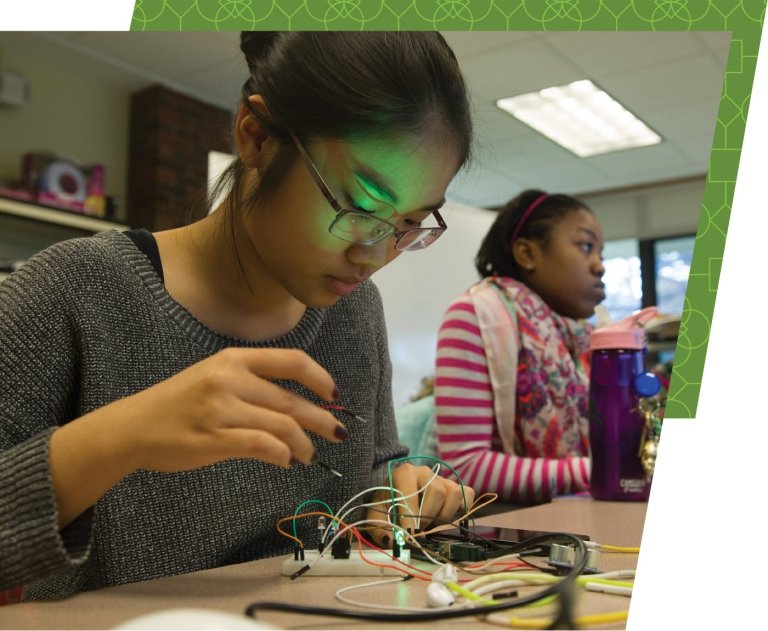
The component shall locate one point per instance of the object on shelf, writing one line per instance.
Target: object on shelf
(17, 193)
(54, 181)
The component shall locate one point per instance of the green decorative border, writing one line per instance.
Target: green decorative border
(743, 18)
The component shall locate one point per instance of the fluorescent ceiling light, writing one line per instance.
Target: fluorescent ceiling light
(580, 117)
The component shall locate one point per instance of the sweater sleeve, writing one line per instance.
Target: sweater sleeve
(37, 374)
(465, 422)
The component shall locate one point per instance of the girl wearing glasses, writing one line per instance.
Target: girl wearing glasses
(167, 397)
(511, 388)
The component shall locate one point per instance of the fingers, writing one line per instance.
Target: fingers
(225, 406)
(443, 502)
(265, 434)
(381, 534)
(407, 479)
(422, 499)
(245, 373)
(289, 364)
(305, 415)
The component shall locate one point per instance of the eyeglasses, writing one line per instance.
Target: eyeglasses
(355, 226)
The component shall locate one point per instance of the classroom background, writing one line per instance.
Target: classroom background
(126, 102)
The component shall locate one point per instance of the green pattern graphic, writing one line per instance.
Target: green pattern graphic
(742, 18)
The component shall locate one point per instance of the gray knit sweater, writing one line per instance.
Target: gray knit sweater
(88, 321)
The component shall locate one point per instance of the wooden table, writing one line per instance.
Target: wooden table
(232, 588)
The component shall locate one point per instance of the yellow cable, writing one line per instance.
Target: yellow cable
(455, 587)
(607, 548)
(586, 578)
(581, 621)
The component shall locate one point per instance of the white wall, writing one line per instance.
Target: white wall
(649, 212)
(418, 287)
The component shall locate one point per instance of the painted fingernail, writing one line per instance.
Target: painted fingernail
(385, 541)
(341, 432)
(336, 394)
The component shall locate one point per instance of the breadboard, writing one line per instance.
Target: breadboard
(353, 566)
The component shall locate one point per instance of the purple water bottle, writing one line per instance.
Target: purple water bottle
(617, 380)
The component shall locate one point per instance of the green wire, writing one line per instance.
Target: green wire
(302, 505)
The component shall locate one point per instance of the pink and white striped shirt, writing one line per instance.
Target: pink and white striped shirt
(549, 455)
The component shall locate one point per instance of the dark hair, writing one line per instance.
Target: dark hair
(494, 258)
(352, 85)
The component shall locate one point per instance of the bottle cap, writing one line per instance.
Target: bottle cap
(627, 333)
(647, 384)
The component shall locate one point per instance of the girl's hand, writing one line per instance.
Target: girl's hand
(441, 502)
(226, 407)
(222, 407)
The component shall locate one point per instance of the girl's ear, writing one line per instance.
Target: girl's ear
(255, 145)
(526, 253)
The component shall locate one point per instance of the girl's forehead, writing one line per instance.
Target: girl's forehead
(577, 217)
(388, 153)
(578, 220)
(585, 221)
(396, 169)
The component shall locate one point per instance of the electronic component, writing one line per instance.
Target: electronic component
(480, 543)
(376, 564)
(562, 558)
(459, 551)
(341, 546)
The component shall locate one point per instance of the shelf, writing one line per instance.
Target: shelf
(58, 217)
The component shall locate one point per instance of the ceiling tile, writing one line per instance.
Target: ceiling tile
(614, 52)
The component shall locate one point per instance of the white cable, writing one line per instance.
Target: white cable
(505, 580)
(435, 473)
(616, 575)
(362, 522)
(397, 505)
(378, 606)
(341, 515)
(619, 590)
(482, 590)
(539, 578)
(524, 578)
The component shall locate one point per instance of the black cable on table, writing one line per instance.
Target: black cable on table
(561, 589)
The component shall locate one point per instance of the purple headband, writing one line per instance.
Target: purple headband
(527, 214)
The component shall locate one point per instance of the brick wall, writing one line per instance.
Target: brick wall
(170, 137)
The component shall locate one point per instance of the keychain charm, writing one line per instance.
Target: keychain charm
(649, 439)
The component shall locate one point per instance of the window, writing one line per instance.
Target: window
(641, 273)
(673, 265)
(623, 285)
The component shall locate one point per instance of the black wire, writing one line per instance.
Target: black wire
(559, 588)
(564, 617)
